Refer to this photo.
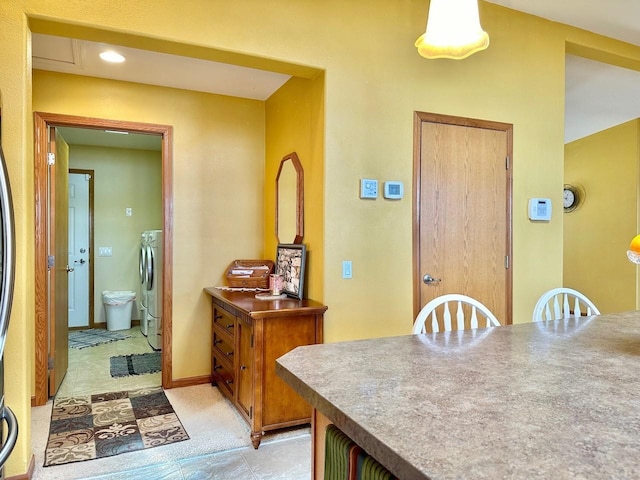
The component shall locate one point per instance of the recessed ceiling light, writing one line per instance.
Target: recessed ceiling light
(111, 56)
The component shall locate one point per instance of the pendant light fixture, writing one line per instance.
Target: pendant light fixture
(453, 30)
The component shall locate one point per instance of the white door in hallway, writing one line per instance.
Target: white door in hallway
(79, 249)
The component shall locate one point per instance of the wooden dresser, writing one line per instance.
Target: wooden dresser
(248, 336)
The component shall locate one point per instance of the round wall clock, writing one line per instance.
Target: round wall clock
(571, 198)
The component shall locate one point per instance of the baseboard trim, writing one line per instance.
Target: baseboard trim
(190, 381)
(33, 401)
(29, 474)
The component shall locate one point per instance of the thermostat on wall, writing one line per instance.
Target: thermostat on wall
(393, 190)
(368, 188)
(540, 209)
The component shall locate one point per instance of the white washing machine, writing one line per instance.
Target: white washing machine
(153, 279)
(142, 265)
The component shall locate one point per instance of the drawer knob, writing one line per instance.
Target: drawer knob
(230, 325)
(217, 367)
(243, 367)
(229, 382)
(216, 342)
(229, 354)
(217, 317)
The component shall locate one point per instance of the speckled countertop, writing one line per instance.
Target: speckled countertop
(530, 401)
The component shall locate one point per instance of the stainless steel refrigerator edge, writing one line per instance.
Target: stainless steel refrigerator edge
(8, 253)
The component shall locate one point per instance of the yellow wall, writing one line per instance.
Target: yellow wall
(374, 82)
(295, 122)
(17, 144)
(218, 170)
(122, 178)
(598, 232)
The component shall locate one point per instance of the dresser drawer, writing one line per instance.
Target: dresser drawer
(222, 346)
(223, 320)
(223, 375)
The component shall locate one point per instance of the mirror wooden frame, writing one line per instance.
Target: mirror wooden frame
(295, 161)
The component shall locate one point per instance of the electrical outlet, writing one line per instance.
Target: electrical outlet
(128, 211)
(347, 270)
(104, 252)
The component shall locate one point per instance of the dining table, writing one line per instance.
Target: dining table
(557, 399)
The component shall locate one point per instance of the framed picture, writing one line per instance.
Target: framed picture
(290, 263)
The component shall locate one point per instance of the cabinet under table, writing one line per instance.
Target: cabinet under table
(248, 335)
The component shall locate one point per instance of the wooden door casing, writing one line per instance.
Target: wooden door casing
(462, 210)
(42, 122)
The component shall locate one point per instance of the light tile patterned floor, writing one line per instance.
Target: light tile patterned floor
(278, 460)
(89, 367)
(287, 459)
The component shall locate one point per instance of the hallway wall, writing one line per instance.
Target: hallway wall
(606, 166)
(218, 175)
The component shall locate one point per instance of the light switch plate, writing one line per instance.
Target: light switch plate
(347, 269)
(368, 188)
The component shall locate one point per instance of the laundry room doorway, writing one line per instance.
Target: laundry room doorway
(44, 124)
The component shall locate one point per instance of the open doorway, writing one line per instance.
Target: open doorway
(44, 353)
(601, 165)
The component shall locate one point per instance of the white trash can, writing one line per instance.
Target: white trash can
(118, 306)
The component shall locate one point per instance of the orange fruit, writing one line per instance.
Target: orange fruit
(635, 244)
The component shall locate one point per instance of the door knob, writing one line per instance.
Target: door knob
(82, 250)
(69, 269)
(429, 280)
(81, 261)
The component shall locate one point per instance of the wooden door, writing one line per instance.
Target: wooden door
(58, 273)
(462, 211)
(245, 367)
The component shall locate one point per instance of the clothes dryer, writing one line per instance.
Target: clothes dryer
(142, 265)
(154, 260)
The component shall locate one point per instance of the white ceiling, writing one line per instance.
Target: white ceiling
(80, 57)
(598, 96)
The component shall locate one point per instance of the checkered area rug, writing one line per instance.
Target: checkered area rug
(93, 337)
(87, 427)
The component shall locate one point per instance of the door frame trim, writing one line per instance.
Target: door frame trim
(419, 119)
(42, 121)
(91, 289)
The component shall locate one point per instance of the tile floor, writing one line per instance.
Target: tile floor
(279, 460)
(88, 372)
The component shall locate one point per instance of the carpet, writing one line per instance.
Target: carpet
(96, 426)
(93, 337)
(138, 364)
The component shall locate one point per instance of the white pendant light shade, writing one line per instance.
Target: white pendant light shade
(453, 30)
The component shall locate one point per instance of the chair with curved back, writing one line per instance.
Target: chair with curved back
(563, 302)
(473, 306)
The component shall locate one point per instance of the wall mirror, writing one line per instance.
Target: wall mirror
(290, 200)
